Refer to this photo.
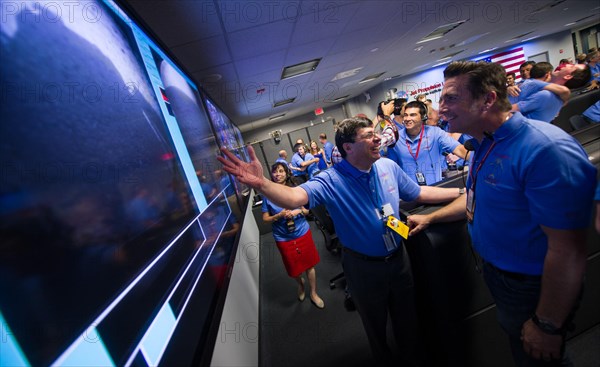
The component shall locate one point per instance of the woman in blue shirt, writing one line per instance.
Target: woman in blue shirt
(293, 238)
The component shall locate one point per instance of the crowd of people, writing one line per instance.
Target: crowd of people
(527, 223)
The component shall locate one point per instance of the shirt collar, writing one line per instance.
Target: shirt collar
(510, 127)
(345, 168)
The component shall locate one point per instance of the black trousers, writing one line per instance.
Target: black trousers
(380, 288)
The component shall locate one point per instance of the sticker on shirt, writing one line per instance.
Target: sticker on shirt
(397, 226)
(387, 210)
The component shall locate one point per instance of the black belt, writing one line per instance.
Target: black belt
(371, 258)
(512, 275)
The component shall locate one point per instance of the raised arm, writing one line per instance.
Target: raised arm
(251, 174)
(560, 90)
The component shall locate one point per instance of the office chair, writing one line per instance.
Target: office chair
(578, 122)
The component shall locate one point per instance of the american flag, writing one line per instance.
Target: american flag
(511, 60)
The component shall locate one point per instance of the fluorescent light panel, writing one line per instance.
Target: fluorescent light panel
(441, 31)
(341, 98)
(285, 101)
(371, 77)
(299, 69)
(276, 117)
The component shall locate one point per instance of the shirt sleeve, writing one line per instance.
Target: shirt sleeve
(560, 193)
(532, 103)
(447, 143)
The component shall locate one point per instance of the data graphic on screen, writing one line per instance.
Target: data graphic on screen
(114, 219)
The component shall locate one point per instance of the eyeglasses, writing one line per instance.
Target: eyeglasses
(368, 136)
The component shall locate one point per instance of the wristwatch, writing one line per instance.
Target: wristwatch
(461, 191)
(547, 326)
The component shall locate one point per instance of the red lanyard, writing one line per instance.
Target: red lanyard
(415, 156)
(474, 177)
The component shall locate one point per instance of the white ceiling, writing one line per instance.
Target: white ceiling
(235, 48)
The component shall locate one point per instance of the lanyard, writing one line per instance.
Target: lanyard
(472, 176)
(416, 156)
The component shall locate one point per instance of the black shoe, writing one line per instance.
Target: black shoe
(349, 303)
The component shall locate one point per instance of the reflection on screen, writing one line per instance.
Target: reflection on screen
(113, 213)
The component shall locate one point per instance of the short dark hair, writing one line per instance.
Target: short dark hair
(540, 69)
(322, 136)
(298, 145)
(580, 77)
(420, 105)
(346, 132)
(526, 63)
(511, 73)
(483, 77)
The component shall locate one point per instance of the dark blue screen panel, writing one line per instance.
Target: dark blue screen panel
(113, 215)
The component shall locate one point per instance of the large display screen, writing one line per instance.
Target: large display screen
(229, 136)
(116, 231)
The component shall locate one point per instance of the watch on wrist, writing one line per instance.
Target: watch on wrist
(461, 191)
(547, 326)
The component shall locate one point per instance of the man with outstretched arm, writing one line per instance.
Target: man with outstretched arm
(527, 219)
(362, 195)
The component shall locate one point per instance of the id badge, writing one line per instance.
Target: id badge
(390, 242)
(397, 226)
(470, 205)
(420, 178)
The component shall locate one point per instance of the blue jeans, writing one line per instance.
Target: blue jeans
(516, 300)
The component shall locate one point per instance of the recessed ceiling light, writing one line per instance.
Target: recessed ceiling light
(211, 78)
(341, 98)
(370, 78)
(393, 77)
(346, 74)
(299, 69)
(488, 50)
(285, 101)
(440, 31)
(276, 117)
(519, 36)
(441, 63)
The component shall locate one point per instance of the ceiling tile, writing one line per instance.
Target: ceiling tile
(203, 54)
(260, 40)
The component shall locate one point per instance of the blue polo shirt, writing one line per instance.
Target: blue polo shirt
(281, 160)
(297, 160)
(328, 148)
(280, 228)
(529, 87)
(430, 160)
(354, 199)
(543, 105)
(535, 174)
(595, 70)
(593, 112)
